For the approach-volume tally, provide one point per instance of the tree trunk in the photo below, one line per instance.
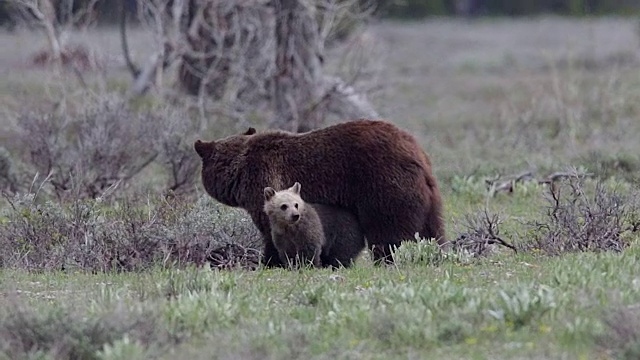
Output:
(230, 51)
(261, 56)
(298, 83)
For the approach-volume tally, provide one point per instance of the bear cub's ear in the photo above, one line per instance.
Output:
(203, 149)
(250, 131)
(296, 188)
(269, 192)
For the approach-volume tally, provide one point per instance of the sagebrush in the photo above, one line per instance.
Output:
(104, 144)
(125, 235)
(585, 216)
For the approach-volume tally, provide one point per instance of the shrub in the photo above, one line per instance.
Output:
(582, 219)
(125, 235)
(482, 234)
(104, 145)
(176, 154)
(94, 150)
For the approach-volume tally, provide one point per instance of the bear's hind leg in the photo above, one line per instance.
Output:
(385, 230)
(334, 262)
(433, 228)
(383, 253)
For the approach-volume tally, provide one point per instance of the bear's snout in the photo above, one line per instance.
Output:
(295, 217)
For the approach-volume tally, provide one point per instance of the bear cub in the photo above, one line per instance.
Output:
(306, 233)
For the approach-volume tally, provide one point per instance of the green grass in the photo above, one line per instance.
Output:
(510, 306)
(503, 306)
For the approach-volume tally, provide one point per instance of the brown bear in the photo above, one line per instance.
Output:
(323, 235)
(370, 168)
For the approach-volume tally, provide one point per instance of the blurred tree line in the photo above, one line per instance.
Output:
(107, 11)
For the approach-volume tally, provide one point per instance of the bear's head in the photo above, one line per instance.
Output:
(221, 161)
(283, 207)
(206, 150)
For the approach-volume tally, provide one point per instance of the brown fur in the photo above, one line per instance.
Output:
(333, 230)
(371, 168)
(343, 237)
(296, 228)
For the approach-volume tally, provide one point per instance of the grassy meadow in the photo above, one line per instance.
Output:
(119, 270)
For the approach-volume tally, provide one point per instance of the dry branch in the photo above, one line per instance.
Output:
(232, 255)
(144, 77)
(482, 230)
(562, 175)
(344, 100)
(133, 68)
(508, 183)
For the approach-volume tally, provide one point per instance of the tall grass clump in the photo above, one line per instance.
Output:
(427, 252)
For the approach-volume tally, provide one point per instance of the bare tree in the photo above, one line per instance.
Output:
(257, 56)
(42, 12)
(298, 82)
(56, 25)
(163, 18)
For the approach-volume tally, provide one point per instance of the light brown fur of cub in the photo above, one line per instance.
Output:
(295, 227)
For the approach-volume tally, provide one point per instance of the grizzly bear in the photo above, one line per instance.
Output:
(324, 235)
(370, 168)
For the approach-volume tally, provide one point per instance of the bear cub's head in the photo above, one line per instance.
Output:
(283, 207)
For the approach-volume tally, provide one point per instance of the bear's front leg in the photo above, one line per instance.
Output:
(310, 255)
(270, 255)
(317, 261)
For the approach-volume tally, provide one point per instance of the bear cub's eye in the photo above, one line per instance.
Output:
(283, 207)
(296, 205)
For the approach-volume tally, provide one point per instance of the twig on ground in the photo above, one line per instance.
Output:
(483, 231)
(495, 186)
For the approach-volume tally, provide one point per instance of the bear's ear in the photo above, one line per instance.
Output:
(203, 149)
(269, 192)
(250, 131)
(296, 188)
